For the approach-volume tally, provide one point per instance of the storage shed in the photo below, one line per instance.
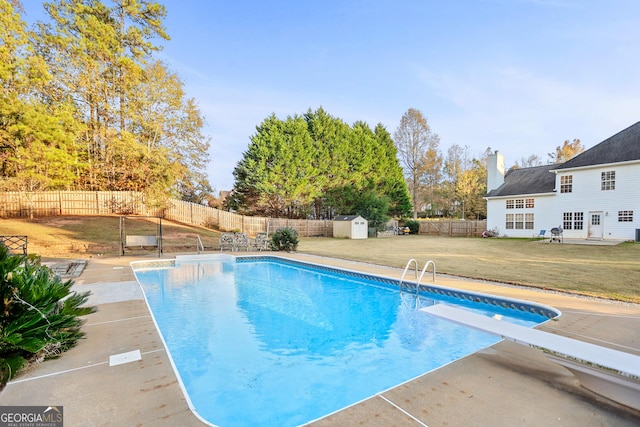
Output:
(350, 226)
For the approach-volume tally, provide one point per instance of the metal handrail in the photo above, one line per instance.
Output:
(406, 268)
(199, 245)
(418, 279)
(424, 270)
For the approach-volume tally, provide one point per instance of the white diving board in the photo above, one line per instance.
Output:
(611, 373)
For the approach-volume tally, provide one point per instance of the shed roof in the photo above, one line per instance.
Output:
(346, 217)
(535, 180)
(621, 147)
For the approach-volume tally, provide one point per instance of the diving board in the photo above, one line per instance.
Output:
(611, 373)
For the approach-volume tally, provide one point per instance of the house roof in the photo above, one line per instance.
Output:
(535, 180)
(621, 147)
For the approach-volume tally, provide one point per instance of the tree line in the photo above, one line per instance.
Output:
(316, 166)
(86, 106)
(453, 184)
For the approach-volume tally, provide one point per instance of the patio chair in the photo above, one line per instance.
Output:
(261, 242)
(226, 241)
(540, 235)
(240, 241)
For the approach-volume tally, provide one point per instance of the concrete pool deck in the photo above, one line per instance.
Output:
(503, 385)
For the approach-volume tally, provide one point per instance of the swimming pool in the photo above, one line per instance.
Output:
(270, 341)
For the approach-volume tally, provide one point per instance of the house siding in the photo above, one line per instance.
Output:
(544, 216)
(598, 210)
(586, 197)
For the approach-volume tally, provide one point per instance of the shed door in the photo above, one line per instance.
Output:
(595, 225)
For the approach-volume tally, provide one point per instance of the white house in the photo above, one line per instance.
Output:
(595, 195)
(350, 226)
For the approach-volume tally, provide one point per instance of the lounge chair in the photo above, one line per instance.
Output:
(261, 242)
(226, 241)
(240, 241)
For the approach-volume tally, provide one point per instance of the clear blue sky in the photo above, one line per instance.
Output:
(519, 76)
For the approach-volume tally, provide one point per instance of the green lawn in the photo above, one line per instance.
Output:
(604, 271)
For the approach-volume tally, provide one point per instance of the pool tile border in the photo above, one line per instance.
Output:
(424, 289)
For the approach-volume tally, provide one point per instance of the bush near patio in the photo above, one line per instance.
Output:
(284, 239)
(39, 314)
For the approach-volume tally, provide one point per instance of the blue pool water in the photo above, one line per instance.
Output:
(270, 343)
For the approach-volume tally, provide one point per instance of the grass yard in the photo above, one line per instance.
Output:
(69, 236)
(603, 271)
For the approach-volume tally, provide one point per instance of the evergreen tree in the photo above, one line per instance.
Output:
(317, 166)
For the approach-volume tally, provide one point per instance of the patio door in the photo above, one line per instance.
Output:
(595, 225)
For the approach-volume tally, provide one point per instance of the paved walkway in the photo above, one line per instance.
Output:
(503, 385)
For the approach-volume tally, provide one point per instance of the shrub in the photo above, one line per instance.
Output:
(284, 239)
(38, 313)
(413, 225)
(494, 232)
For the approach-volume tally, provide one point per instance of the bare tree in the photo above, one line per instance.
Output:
(416, 144)
(528, 162)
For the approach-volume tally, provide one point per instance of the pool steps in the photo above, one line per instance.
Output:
(610, 373)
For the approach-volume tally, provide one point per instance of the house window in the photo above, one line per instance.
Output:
(578, 220)
(509, 222)
(519, 221)
(608, 181)
(528, 203)
(510, 204)
(519, 203)
(567, 220)
(528, 221)
(566, 183)
(625, 216)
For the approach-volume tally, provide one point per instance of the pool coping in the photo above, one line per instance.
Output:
(424, 288)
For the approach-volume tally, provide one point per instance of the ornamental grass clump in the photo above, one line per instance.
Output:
(39, 314)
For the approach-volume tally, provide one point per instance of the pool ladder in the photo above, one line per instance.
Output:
(199, 245)
(408, 287)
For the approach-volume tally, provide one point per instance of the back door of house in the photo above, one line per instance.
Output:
(595, 225)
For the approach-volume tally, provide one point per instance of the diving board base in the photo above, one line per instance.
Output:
(610, 373)
(607, 384)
